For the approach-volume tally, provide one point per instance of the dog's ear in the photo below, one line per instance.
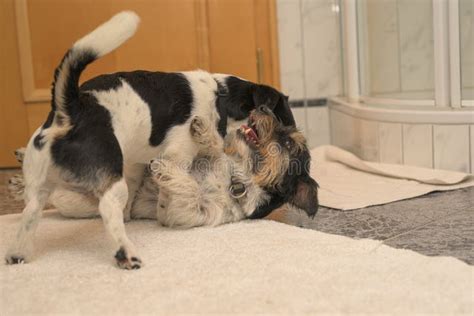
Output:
(275, 101)
(265, 95)
(305, 196)
(283, 111)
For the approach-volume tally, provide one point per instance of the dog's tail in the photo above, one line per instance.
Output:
(101, 41)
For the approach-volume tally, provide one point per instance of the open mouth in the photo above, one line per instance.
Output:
(250, 132)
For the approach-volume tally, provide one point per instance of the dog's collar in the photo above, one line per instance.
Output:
(221, 93)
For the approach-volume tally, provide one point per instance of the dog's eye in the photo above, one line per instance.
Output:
(288, 144)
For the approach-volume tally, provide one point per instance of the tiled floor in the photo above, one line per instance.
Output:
(438, 224)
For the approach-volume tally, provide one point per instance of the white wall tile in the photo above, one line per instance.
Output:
(318, 126)
(290, 48)
(317, 129)
(322, 53)
(390, 143)
(415, 24)
(300, 118)
(418, 145)
(360, 137)
(466, 25)
(342, 130)
(382, 52)
(451, 147)
(471, 151)
(367, 145)
(319, 74)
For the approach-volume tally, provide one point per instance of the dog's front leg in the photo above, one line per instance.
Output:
(206, 136)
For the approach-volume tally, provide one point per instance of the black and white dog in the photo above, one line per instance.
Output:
(98, 138)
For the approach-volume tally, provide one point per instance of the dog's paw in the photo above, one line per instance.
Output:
(15, 260)
(126, 260)
(19, 254)
(208, 139)
(16, 186)
(20, 154)
(198, 127)
(160, 168)
(16, 256)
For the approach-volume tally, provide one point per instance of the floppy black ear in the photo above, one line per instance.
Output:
(283, 111)
(275, 101)
(265, 95)
(305, 196)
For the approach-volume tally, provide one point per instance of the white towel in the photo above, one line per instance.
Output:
(347, 182)
(243, 268)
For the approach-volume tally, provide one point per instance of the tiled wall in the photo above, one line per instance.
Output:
(466, 25)
(310, 60)
(397, 47)
(449, 147)
(397, 37)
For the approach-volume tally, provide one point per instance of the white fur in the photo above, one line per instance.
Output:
(37, 190)
(131, 122)
(110, 208)
(178, 144)
(111, 34)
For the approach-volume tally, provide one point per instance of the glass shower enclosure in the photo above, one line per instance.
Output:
(408, 82)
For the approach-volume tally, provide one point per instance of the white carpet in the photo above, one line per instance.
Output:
(246, 268)
(348, 183)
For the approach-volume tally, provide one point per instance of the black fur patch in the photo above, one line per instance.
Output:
(222, 94)
(90, 148)
(38, 141)
(71, 91)
(275, 202)
(244, 96)
(121, 255)
(168, 95)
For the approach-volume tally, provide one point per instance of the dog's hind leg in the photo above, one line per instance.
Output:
(134, 177)
(37, 191)
(22, 248)
(111, 206)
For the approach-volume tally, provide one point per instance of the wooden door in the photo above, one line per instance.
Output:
(227, 36)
